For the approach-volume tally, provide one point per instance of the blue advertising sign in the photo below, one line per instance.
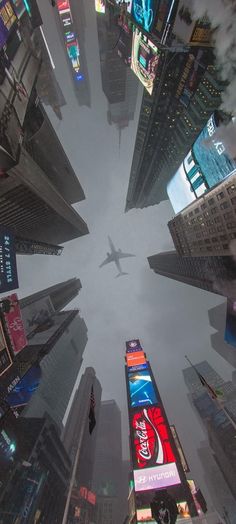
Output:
(8, 269)
(7, 19)
(143, 13)
(141, 389)
(23, 391)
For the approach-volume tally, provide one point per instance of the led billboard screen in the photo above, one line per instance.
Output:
(133, 345)
(23, 391)
(188, 30)
(151, 443)
(144, 59)
(183, 510)
(230, 326)
(141, 389)
(138, 368)
(8, 270)
(7, 19)
(100, 6)
(15, 326)
(135, 359)
(206, 164)
(156, 478)
(144, 515)
(143, 12)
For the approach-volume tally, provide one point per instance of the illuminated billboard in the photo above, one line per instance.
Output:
(7, 19)
(23, 391)
(14, 324)
(189, 31)
(8, 270)
(141, 389)
(183, 510)
(144, 59)
(206, 164)
(135, 359)
(100, 6)
(73, 53)
(133, 345)
(151, 443)
(144, 515)
(143, 12)
(156, 478)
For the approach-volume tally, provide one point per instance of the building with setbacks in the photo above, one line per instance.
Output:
(217, 319)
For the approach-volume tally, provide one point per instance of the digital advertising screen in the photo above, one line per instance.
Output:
(183, 510)
(7, 19)
(100, 6)
(63, 5)
(156, 477)
(73, 53)
(133, 345)
(206, 164)
(188, 30)
(8, 269)
(14, 323)
(135, 359)
(144, 59)
(230, 325)
(144, 515)
(23, 391)
(143, 12)
(138, 368)
(150, 438)
(141, 389)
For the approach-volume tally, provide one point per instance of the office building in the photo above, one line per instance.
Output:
(207, 227)
(170, 120)
(60, 294)
(37, 189)
(221, 433)
(217, 319)
(63, 343)
(206, 272)
(39, 475)
(107, 475)
(120, 113)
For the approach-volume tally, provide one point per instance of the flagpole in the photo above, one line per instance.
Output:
(73, 474)
(224, 409)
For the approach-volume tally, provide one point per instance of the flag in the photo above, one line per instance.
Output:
(92, 418)
(215, 394)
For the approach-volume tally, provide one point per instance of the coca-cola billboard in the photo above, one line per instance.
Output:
(151, 441)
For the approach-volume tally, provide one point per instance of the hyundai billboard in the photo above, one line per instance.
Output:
(144, 59)
(143, 12)
(156, 477)
(141, 389)
(206, 164)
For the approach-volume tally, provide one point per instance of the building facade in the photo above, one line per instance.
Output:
(211, 273)
(207, 227)
(60, 294)
(217, 317)
(107, 477)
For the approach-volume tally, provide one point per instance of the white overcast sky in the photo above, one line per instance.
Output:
(170, 318)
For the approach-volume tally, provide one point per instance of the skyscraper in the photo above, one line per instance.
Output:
(107, 476)
(60, 294)
(60, 367)
(205, 272)
(221, 432)
(217, 318)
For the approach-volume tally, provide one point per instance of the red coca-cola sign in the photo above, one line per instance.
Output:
(151, 440)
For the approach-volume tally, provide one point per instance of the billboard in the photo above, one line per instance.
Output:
(138, 368)
(37, 316)
(8, 271)
(133, 345)
(5, 357)
(206, 164)
(135, 359)
(192, 72)
(100, 6)
(141, 389)
(179, 448)
(7, 19)
(163, 19)
(19, 397)
(144, 515)
(151, 443)
(14, 324)
(143, 12)
(230, 326)
(183, 510)
(156, 478)
(190, 31)
(144, 59)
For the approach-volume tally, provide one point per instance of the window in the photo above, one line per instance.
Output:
(217, 220)
(224, 205)
(223, 237)
(196, 211)
(231, 189)
(231, 225)
(214, 210)
(220, 229)
(228, 215)
(211, 201)
(225, 246)
(206, 214)
(215, 239)
(204, 206)
(233, 200)
(220, 195)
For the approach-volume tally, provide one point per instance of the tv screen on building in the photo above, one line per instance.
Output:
(143, 12)
(144, 59)
(141, 389)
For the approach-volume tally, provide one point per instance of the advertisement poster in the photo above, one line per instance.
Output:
(135, 359)
(19, 397)
(151, 444)
(143, 12)
(7, 19)
(8, 270)
(188, 30)
(144, 59)
(133, 345)
(100, 6)
(15, 326)
(141, 389)
(37, 316)
(157, 477)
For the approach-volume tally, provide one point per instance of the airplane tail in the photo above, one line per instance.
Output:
(121, 274)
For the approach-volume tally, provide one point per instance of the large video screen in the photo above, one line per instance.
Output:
(151, 443)
(135, 359)
(23, 391)
(157, 477)
(141, 389)
(144, 59)
(100, 6)
(7, 19)
(206, 164)
(143, 13)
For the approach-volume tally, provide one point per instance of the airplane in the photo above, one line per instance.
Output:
(115, 256)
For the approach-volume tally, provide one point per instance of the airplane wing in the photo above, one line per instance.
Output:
(107, 260)
(120, 254)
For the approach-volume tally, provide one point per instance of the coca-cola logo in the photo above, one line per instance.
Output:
(151, 439)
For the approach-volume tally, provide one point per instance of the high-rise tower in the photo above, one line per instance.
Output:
(60, 294)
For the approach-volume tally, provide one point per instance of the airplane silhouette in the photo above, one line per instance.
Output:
(115, 256)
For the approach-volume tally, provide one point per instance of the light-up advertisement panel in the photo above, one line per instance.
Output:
(141, 389)
(151, 443)
(100, 6)
(73, 53)
(206, 164)
(135, 359)
(143, 12)
(133, 345)
(7, 19)
(144, 515)
(156, 478)
(183, 510)
(144, 59)
(187, 30)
